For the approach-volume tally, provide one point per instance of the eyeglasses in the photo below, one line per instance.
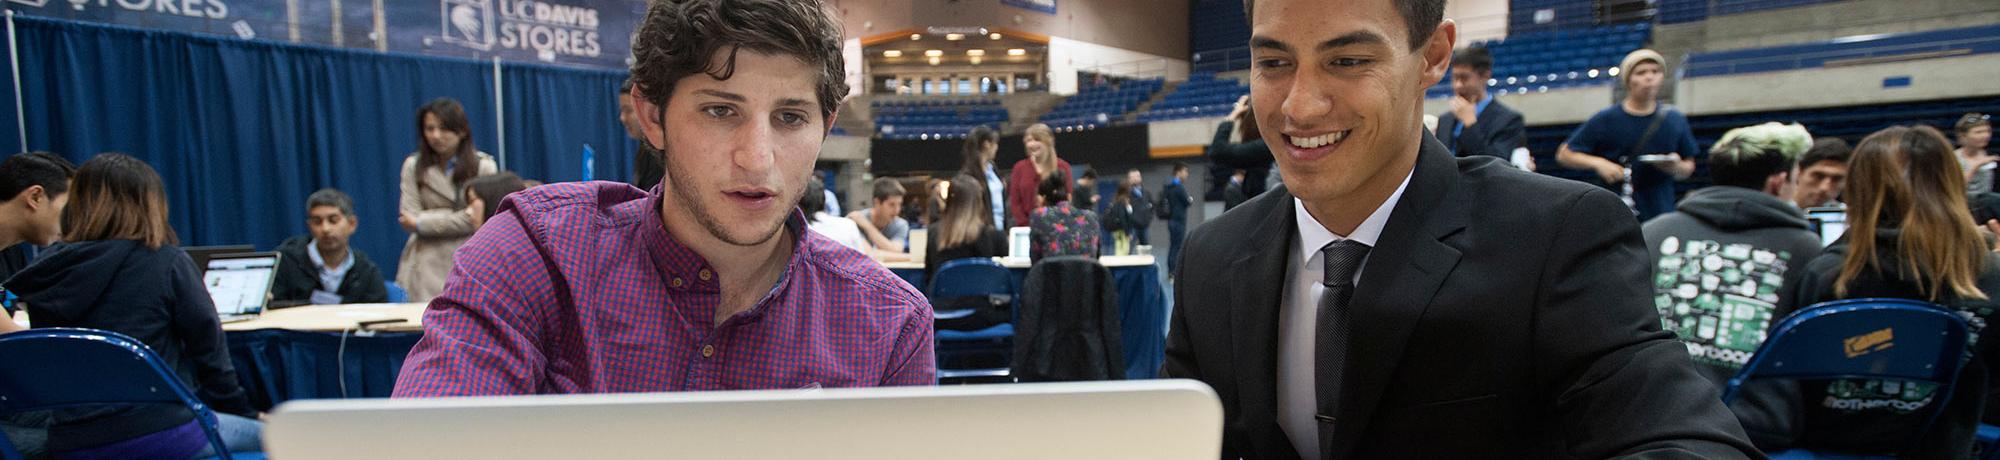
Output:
(1973, 119)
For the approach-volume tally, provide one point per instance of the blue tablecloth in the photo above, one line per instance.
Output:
(277, 365)
(1142, 306)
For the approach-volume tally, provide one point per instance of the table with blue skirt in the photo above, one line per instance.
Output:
(1142, 306)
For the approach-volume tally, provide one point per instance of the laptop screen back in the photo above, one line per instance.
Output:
(240, 283)
(1832, 223)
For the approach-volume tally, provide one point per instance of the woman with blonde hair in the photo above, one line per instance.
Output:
(1909, 236)
(1042, 162)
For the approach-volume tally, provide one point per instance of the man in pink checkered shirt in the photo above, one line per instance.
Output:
(710, 282)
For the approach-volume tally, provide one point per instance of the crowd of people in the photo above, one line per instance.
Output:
(1375, 289)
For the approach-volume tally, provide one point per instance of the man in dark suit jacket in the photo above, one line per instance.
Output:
(1477, 124)
(1174, 204)
(1458, 308)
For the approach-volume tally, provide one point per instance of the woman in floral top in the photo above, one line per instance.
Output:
(1058, 229)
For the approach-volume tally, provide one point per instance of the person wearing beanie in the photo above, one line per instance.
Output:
(1640, 134)
(1747, 222)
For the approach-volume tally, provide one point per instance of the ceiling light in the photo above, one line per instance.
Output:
(954, 37)
(995, 36)
(975, 60)
(1017, 52)
(975, 52)
(1612, 71)
(934, 60)
(934, 53)
(892, 53)
(916, 36)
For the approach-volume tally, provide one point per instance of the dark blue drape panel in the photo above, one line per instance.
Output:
(552, 112)
(242, 131)
(10, 128)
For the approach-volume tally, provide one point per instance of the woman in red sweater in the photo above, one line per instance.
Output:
(1028, 173)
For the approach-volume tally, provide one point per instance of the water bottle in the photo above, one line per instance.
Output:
(589, 162)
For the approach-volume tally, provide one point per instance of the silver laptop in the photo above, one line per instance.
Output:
(1830, 223)
(1150, 419)
(240, 284)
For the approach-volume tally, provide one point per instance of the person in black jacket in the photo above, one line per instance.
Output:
(1908, 236)
(1252, 157)
(321, 268)
(122, 272)
(964, 229)
(1477, 124)
(1174, 208)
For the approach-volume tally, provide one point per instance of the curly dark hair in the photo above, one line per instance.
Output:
(680, 38)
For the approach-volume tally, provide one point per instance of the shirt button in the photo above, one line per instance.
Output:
(678, 282)
(705, 274)
(708, 351)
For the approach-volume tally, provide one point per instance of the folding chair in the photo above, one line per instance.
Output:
(978, 278)
(1863, 339)
(57, 368)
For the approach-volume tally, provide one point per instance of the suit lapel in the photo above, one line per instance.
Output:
(1254, 313)
(1403, 273)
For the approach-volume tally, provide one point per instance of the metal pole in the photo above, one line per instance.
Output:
(14, 58)
(499, 113)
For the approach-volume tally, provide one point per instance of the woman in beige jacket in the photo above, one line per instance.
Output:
(433, 202)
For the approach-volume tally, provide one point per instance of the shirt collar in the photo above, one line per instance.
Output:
(1480, 108)
(1313, 236)
(319, 261)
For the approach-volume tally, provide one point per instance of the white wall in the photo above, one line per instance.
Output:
(1964, 76)
(1067, 56)
(1478, 19)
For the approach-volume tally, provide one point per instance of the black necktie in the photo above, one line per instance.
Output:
(1342, 260)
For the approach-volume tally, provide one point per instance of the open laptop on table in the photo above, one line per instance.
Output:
(1150, 419)
(201, 254)
(240, 284)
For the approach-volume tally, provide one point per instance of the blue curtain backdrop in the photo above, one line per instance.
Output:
(242, 131)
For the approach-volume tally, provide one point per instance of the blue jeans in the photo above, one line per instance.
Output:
(239, 433)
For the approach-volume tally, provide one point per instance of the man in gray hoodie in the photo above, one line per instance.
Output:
(1722, 258)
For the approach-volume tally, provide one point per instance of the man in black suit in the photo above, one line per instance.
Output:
(1477, 124)
(1393, 302)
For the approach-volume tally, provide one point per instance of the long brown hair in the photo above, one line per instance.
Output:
(117, 197)
(963, 218)
(1907, 177)
(1247, 129)
(452, 117)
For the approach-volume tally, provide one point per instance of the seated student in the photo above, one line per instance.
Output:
(1748, 220)
(1908, 236)
(320, 268)
(1058, 228)
(962, 230)
(842, 231)
(121, 271)
(35, 189)
(883, 223)
(485, 194)
(712, 284)
(1823, 173)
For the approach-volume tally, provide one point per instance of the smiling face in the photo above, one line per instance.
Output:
(739, 151)
(1338, 93)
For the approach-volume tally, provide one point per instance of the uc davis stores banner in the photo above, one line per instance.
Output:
(594, 33)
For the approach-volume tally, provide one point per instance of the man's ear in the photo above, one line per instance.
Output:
(831, 116)
(1437, 52)
(34, 197)
(652, 125)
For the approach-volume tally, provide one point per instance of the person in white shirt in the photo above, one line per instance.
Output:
(840, 230)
